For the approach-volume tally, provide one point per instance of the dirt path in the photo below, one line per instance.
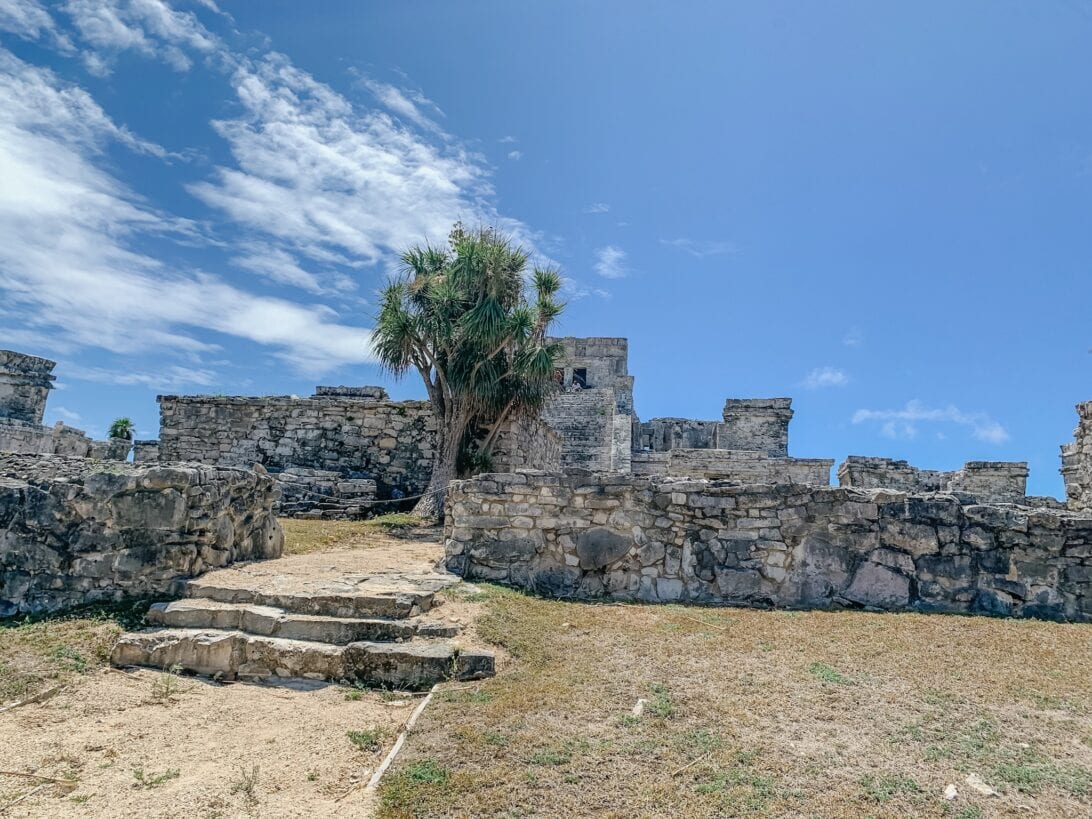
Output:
(147, 743)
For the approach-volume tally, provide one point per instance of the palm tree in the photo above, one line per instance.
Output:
(462, 318)
(121, 428)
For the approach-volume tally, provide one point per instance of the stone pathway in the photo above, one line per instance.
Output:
(357, 616)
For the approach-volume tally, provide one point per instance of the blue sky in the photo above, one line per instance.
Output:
(880, 209)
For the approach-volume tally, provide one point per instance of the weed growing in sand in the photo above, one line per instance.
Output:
(166, 687)
(150, 780)
(246, 784)
(367, 740)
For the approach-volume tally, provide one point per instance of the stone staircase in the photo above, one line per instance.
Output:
(296, 618)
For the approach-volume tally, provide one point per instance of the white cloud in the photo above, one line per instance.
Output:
(29, 20)
(399, 102)
(597, 207)
(903, 423)
(504, 140)
(853, 337)
(165, 380)
(825, 377)
(515, 155)
(699, 249)
(330, 182)
(70, 263)
(610, 262)
(150, 27)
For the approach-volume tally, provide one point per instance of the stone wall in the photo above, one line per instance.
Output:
(322, 494)
(757, 424)
(145, 451)
(668, 540)
(1077, 461)
(25, 382)
(391, 442)
(747, 467)
(527, 443)
(664, 434)
(26, 438)
(74, 531)
(987, 480)
(732, 465)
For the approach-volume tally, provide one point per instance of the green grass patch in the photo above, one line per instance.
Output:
(366, 740)
(886, 788)
(829, 674)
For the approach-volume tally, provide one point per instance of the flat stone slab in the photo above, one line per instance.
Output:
(233, 655)
(352, 584)
(269, 621)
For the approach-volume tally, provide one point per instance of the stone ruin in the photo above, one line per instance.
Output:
(79, 524)
(25, 382)
(587, 500)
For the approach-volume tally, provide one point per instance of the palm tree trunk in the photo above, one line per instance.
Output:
(444, 470)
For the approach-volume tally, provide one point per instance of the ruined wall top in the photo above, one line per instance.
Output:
(25, 382)
(757, 425)
(377, 393)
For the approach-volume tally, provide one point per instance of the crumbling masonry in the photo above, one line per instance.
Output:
(587, 500)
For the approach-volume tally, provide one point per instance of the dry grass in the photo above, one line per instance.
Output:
(43, 652)
(755, 713)
(306, 536)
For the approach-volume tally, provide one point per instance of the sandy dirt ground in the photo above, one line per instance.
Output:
(201, 750)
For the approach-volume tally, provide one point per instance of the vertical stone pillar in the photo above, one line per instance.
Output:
(757, 425)
(1077, 462)
(25, 382)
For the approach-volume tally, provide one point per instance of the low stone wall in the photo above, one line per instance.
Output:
(74, 531)
(1077, 461)
(747, 467)
(390, 441)
(669, 540)
(732, 465)
(664, 434)
(33, 439)
(321, 494)
(988, 480)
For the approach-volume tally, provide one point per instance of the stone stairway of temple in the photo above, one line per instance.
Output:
(327, 617)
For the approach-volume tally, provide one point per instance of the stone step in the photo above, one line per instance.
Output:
(363, 600)
(231, 655)
(269, 621)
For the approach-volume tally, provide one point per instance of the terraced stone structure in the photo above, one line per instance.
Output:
(75, 531)
(320, 617)
(721, 542)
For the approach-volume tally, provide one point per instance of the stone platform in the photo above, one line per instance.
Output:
(339, 616)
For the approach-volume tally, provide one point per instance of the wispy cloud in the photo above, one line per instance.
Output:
(610, 262)
(699, 249)
(597, 207)
(822, 377)
(167, 379)
(903, 423)
(151, 28)
(504, 140)
(71, 262)
(853, 337)
(515, 155)
(29, 20)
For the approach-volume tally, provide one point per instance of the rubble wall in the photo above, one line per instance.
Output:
(73, 531)
(390, 442)
(670, 540)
